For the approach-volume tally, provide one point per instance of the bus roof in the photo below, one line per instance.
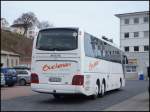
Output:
(73, 28)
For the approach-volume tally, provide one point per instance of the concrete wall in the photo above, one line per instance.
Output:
(142, 64)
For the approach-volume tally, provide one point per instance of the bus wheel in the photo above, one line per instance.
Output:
(94, 96)
(99, 91)
(120, 83)
(102, 90)
(22, 82)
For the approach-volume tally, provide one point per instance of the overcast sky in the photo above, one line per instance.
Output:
(95, 17)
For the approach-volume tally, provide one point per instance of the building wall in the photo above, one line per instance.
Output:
(140, 57)
(32, 32)
(9, 60)
(18, 30)
(131, 28)
(141, 64)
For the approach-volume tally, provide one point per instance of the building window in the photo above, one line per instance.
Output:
(126, 49)
(7, 62)
(146, 33)
(126, 35)
(136, 48)
(113, 52)
(130, 68)
(31, 37)
(133, 68)
(145, 19)
(136, 20)
(12, 62)
(16, 61)
(146, 48)
(136, 34)
(117, 52)
(30, 32)
(126, 21)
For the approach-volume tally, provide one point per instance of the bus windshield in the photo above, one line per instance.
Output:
(57, 40)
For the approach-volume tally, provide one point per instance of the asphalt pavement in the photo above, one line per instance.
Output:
(139, 102)
(32, 101)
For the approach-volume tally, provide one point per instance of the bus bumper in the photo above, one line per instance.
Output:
(58, 89)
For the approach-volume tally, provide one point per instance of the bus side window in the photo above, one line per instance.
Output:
(100, 49)
(105, 56)
(88, 46)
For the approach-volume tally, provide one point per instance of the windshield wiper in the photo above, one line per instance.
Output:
(43, 48)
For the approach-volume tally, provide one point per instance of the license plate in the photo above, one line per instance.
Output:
(54, 79)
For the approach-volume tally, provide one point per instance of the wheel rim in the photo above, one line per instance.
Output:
(97, 90)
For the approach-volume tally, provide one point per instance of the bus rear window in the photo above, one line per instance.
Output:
(57, 40)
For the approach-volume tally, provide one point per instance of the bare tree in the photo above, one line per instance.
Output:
(44, 24)
(27, 20)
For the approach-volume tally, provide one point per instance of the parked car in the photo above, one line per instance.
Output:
(2, 79)
(23, 76)
(10, 75)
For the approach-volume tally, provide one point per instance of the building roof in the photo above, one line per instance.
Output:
(132, 13)
(9, 53)
(17, 25)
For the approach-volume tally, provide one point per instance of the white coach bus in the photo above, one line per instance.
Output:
(71, 61)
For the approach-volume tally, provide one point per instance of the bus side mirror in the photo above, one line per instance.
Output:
(125, 60)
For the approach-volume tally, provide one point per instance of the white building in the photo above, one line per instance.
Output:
(134, 40)
(17, 28)
(9, 59)
(31, 33)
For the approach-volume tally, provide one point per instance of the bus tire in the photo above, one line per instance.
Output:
(96, 94)
(99, 91)
(22, 82)
(120, 83)
(103, 89)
